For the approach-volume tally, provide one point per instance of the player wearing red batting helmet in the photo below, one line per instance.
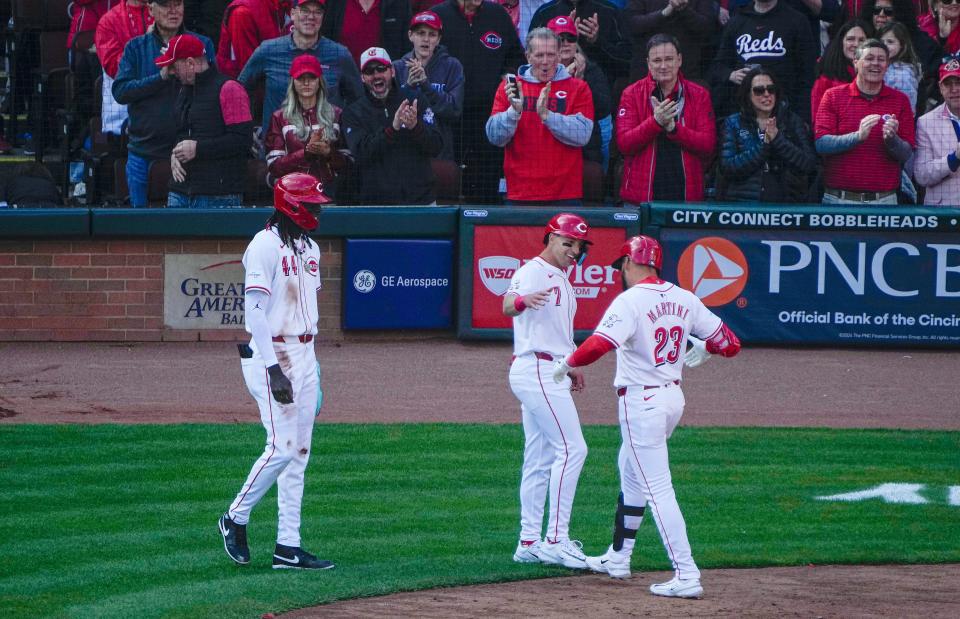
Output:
(542, 303)
(281, 283)
(649, 325)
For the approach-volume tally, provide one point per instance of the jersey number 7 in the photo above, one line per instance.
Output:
(665, 339)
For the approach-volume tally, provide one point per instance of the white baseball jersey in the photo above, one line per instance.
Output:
(291, 278)
(649, 325)
(550, 328)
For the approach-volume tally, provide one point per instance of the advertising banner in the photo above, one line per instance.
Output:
(398, 284)
(499, 251)
(202, 291)
(869, 287)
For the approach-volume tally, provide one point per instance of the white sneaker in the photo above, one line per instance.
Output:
(527, 554)
(678, 588)
(567, 553)
(616, 564)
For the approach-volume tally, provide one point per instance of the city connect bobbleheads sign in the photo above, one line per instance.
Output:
(203, 291)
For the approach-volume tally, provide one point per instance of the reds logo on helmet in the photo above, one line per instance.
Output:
(492, 40)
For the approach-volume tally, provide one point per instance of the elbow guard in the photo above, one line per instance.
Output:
(724, 343)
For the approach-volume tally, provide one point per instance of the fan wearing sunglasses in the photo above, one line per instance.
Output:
(879, 13)
(765, 149)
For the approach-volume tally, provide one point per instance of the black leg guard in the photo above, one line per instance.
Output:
(620, 530)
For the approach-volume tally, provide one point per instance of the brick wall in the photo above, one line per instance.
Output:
(84, 290)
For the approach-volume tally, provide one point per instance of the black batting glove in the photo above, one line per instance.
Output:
(280, 385)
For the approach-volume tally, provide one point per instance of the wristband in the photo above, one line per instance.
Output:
(518, 304)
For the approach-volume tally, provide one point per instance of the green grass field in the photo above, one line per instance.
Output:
(120, 521)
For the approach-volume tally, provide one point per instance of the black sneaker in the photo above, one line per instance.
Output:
(234, 540)
(292, 558)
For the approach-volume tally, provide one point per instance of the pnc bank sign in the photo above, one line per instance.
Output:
(717, 270)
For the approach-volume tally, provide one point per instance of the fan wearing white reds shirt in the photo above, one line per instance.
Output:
(649, 324)
(541, 301)
(280, 367)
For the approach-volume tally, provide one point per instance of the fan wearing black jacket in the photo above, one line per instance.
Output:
(392, 137)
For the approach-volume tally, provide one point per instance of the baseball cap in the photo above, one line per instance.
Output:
(180, 47)
(562, 24)
(305, 63)
(950, 68)
(426, 18)
(375, 54)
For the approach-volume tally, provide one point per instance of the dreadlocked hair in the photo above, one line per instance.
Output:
(290, 232)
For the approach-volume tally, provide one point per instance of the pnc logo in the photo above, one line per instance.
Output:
(714, 269)
(496, 272)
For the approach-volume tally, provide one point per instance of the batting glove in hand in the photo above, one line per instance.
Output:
(560, 370)
(697, 354)
(280, 385)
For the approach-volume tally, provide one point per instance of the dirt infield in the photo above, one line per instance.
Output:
(440, 380)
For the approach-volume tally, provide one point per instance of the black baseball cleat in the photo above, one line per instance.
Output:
(293, 558)
(234, 540)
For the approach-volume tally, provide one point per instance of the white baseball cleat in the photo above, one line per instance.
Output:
(567, 553)
(678, 588)
(616, 564)
(527, 554)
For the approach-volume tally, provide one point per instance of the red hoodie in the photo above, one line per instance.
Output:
(637, 133)
(247, 24)
(121, 23)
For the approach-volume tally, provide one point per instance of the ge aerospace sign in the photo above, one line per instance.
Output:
(823, 287)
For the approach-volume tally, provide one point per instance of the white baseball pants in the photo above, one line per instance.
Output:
(647, 419)
(289, 434)
(554, 449)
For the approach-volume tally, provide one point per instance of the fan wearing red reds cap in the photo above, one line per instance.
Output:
(649, 325)
(392, 136)
(245, 25)
(542, 303)
(429, 72)
(304, 134)
(280, 368)
(542, 118)
(938, 142)
(150, 94)
(214, 129)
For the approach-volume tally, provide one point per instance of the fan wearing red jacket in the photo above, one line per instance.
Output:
(246, 24)
(543, 118)
(665, 130)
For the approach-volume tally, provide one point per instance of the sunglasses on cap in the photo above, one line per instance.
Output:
(770, 89)
(375, 69)
(886, 10)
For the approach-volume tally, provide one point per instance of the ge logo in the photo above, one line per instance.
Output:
(364, 281)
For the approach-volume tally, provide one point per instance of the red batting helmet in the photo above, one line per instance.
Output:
(568, 225)
(642, 250)
(293, 192)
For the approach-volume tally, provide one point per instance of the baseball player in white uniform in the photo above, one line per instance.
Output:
(541, 301)
(649, 324)
(280, 366)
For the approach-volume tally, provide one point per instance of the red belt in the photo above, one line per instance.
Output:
(303, 338)
(539, 355)
(622, 391)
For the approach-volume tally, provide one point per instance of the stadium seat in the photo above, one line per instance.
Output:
(50, 15)
(158, 182)
(446, 181)
(592, 182)
(257, 192)
(52, 88)
(120, 189)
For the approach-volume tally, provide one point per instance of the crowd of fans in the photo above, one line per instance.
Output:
(680, 100)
